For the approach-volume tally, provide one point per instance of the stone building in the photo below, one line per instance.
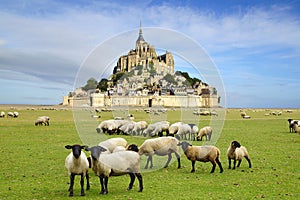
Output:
(144, 55)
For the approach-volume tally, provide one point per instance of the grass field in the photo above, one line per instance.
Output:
(32, 165)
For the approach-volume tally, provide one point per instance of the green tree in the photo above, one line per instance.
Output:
(170, 79)
(91, 84)
(102, 85)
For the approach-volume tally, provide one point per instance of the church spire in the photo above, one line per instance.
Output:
(140, 38)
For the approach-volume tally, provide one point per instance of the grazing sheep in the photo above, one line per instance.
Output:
(173, 129)
(115, 164)
(183, 131)
(243, 114)
(160, 146)
(158, 128)
(112, 143)
(77, 164)
(2, 114)
(205, 131)
(15, 114)
(291, 125)
(42, 120)
(10, 114)
(202, 154)
(247, 117)
(139, 127)
(110, 126)
(237, 152)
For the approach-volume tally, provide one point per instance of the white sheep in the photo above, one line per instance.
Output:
(202, 154)
(119, 148)
(115, 164)
(112, 143)
(160, 146)
(42, 120)
(2, 114)
(183, 131)
(247, 117)
(205, 131)
(237, 152)
(110, 126)
(15, 114)
(157, 128)
(77, 164)
(139, 127)
(10, 114)
(173, 129)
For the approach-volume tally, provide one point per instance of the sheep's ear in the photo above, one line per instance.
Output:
(68, 147)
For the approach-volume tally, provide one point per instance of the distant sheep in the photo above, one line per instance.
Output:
(77, 164)
(115, 164)
(42, 120)
(2, 114)
(205, 131)
(296, 127)
(160, 146)
(243, 114)
(291, 124)
(157, 128)
(237, 152)
(247, 117)
(10, 114)
(202, 154)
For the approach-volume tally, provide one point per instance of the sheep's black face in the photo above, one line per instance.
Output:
(98, 130)
(95, 151)
(184, 145)
(76, 149)
(133, 147)
(235, 144)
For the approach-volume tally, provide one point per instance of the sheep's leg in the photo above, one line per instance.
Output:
(132, 178)
(82, 184)
(140, 178)
(87, 181)
(234, 163)
(239, 163)
(101, 178)
(72, 177)
(105, 184)
(178, 159)
(149, 159)
(193, 166)
(229, 162)
(169, 159)
(213, 167)
(219, 164)
(249, 162)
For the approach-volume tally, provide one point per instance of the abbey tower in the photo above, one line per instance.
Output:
(144, 55)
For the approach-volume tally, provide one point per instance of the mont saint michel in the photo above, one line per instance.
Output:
(144, 78)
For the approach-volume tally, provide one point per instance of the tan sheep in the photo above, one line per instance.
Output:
(202, 154)
(237, 152)
(205, 131)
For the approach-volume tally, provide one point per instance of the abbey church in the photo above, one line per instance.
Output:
(144, 55)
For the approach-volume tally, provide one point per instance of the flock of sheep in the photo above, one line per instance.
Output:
(115, 157)
(9, 114)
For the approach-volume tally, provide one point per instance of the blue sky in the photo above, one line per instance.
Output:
(255, 45)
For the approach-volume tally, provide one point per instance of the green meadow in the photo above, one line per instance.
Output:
(32, 164)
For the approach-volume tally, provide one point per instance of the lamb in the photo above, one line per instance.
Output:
(205, 131)
(291, 124)
(160, 146)
(202, 154)
(112, 143)
(115, 164)
(237, 152)
(42, 120)
(77, 164)
(2, 114)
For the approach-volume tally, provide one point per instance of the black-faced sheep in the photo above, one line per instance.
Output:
(2, 114)
(42, 120)
(115, 164)
(202, 154)
(237, 152)
(296, 127)
(205, 131)
(160, 146)
(77, 164)
(291, 124)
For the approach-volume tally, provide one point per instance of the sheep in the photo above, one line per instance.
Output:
(157, 127)
(173, 129)
(77, 164)
(15, 114)
(160, 146)
(115, 164)
(110, 126)
(2, 114)
(10, 114)
(291, 124)
(119, 148)
(246, 117)
(183, 130)
(112, 143)
(139, 127)
(205, 131)
(237, 152)
(243, 114)
(296, 127)
(202, 154)
(42, 120)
